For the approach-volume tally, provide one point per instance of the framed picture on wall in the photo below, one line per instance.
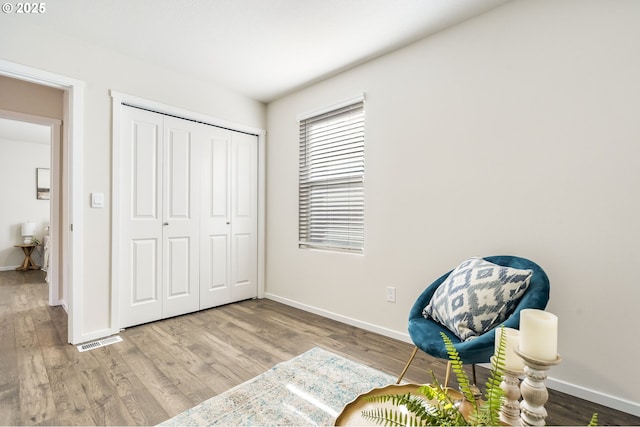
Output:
(43, 183)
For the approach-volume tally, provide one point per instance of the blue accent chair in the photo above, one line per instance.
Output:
(425, 333)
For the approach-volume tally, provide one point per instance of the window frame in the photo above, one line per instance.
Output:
(331, 177)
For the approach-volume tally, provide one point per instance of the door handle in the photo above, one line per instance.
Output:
(165, 223)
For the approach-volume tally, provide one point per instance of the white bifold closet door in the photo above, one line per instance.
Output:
(188, 215)
(228, 249)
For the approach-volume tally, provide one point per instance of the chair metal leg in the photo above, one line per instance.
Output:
(473, 373)
(404, 371)
(447, 375)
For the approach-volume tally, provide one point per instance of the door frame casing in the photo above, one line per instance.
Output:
(117, 99)
(71, 181)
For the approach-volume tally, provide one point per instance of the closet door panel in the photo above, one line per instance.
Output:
(244, 216)
(243, 179)
(215, 286)
(177, 260)
(141, 223)
(144, 170)
(178, 152)
(181, 225)
(242, 260)
(219, 265)
(220, 176)
(218, 277)
(144, 256)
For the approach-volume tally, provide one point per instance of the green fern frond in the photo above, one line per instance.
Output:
(489, 413)
(417, 407)
(456, 367)
(441, 405)
(420, 412)
(396, 399)
(594, 420)
(383, 416)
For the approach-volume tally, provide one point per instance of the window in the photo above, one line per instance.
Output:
(331, 191)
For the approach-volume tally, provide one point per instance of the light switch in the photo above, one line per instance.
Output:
(97, 200)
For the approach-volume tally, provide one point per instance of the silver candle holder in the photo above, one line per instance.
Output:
(533, 389)
(510, 385)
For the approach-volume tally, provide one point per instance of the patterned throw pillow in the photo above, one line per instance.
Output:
(476, 297)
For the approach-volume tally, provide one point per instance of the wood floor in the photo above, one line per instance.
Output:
(164, 368)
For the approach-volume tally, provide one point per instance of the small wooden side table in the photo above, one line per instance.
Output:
(28, 263)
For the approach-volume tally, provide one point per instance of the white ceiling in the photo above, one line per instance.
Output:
(260, 48)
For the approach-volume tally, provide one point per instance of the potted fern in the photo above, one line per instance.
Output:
(434, 405)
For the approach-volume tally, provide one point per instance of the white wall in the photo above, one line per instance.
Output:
(18, 163)
(103, 70)
(516, 132)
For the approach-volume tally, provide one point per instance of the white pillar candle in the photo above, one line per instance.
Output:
(539, 334)
(512, 361)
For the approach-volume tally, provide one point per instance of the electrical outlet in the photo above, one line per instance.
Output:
(391, 294)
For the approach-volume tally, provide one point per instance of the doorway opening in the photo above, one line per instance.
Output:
(66, 230)
(30, 146)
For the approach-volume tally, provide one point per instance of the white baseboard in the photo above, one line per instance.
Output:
(96, 335)
(62, 303)
(9, 268)
(613, 402)
(600, 398)
(343, 319)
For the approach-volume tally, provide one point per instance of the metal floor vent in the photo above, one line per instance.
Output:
(99, 343)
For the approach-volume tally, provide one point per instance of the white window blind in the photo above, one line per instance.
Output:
(331, 191)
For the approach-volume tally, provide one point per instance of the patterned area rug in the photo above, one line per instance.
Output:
(310, 389)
